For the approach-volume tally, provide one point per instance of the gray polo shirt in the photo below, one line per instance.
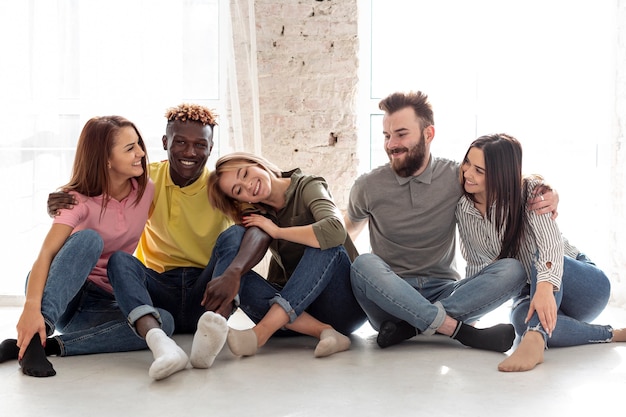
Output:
(411, 220)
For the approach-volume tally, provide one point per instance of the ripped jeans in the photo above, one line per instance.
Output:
(584, 293)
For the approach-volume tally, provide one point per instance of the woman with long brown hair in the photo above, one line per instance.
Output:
(67, 288)
(565, 291)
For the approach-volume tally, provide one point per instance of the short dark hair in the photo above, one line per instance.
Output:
(418, 101)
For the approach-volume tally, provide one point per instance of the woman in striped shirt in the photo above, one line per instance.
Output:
(565, 290)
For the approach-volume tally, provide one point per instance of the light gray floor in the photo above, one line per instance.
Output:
(423, 376)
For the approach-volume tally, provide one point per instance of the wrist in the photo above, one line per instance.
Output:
(32, 305)
(545, 286)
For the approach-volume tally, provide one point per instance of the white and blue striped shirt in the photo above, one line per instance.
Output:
(543, 246)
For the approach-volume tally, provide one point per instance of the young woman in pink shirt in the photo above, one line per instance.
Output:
(67, 289)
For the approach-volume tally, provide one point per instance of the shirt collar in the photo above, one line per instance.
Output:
(193, 188)
(425, 177)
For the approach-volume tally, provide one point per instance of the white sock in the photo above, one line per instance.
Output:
(169, 358)
(331, 341)
(208, 340)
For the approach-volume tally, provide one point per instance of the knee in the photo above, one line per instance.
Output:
(604, 283)
(362, 261)
(89, 240)
(360, 270)
(355, 268)
(603, 287)
(514, 269)
(232, 235)
(118, 262)
(229, 239)
(118, 258)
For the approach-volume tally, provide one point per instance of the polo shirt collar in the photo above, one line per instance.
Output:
(195, 187)
(425, 177)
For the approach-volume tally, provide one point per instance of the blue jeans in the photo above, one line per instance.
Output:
(140, 290)
(584, 293)
(424, 302)
(320, 285)
(86, 316)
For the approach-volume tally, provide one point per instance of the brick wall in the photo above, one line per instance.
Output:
(306, 83)
(300, 65)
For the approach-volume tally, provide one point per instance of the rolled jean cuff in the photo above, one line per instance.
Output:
(538, 328)
(50, 327)
(438, 321)
(285, 306)
(139, 312)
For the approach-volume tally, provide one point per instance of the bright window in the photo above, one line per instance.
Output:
(66, 61)
(540, 70)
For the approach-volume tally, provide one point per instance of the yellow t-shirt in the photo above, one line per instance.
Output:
(182, 226)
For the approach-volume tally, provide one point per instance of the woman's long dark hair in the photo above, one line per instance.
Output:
(504, 187)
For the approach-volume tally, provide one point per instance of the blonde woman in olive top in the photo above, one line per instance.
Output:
(307, 289)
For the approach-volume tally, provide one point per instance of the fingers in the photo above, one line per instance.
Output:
(43, 337)
(210, 302)
(22, 343)
(548, 321)
(531, 311)
(205, 298)
(555, 214)
(545, 324)
(224, 310)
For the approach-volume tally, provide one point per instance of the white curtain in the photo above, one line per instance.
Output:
(243, 78)
(66, 61)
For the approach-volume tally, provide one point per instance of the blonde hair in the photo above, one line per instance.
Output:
(232, 162)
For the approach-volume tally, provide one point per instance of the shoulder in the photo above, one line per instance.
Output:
(382, 172)
(150, 185)
(80, 211)
(82, 199)
(306, 186)
(444, 164)
(148, 193)
(157, 169)
(530, 182)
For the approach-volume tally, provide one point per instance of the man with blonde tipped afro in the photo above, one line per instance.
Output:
(171, 268)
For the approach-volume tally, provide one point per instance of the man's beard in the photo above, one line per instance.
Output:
(413, 161)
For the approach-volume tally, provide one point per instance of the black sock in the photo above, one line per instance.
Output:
(9, 350)
(34, 362)
(52, 347)
(498, 338)
(391, 333)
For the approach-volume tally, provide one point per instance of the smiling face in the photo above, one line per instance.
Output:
(188, 145)
(474, 174)
(126, 155)
(250, 184)
(406, 143)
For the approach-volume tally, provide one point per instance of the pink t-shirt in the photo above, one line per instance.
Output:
(120, 225)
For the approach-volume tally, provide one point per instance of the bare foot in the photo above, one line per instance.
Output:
(528, 354)
(619, 335)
